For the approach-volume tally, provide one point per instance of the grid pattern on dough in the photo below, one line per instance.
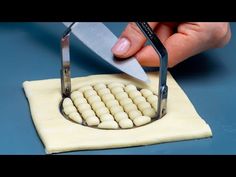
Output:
(111, 106)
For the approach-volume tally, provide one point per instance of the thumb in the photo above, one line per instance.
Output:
(130, 41)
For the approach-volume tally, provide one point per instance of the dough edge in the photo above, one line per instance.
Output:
(52, 126)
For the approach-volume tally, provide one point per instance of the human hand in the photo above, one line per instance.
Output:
(181, 40)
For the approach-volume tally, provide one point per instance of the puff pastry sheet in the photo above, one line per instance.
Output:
(58, 134)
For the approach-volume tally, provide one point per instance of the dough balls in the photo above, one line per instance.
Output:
(134, 114)
(87, 87)
(126, 123)
(101, 111)
(79, 101)
(130, 88)
(130, 107)
(108, 125)
(75, 116)
(111, 106)
(146, 92)
(120, 115)
(76, 94)
(67, 102)
(112, 103)
(115, 84)
(150, 112)
(99, 86)
(106, 117)
(126, 101)
(88, 93)
(141, 120)
(92, 121)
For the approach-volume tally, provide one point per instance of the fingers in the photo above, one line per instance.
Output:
(147, 56)
(130, 41)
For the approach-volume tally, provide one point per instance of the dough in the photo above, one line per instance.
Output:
(116, 109)
(134, 94)
(143, 105)
(108, 125)
(134, 113)
(125, 101)
(126, 123)
(94, 99)
(97, 105)
(130, 88)
(116, 90)
(82, 107)
(59, 134)
(142, 120)
(130, 107)
(121, 96)
(146, 92)
(99, 86)
(86, 87)
(139, 99)
(120, 115)
(104, 91)
(92, 121)
(115, 84)
(75, 117)
(102, 111)
(106, 117)
(150, 112)
(107, 97)
(79, 101)
(112, 103)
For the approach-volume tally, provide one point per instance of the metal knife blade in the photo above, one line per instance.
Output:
(97, 37)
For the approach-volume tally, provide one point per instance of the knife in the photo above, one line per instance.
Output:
(97, 37)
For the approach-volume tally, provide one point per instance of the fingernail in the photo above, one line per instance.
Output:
(121, 46)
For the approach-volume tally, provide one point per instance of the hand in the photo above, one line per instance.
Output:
(181, 40)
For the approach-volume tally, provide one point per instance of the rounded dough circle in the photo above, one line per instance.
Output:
(130, 107)
(106, 117)
(125, 101)
(83, 106)
(115, 84)
(104, 91)
(139, 100)
(86, 87)
(143, 105)
(92, 121)
(150, 112)
(108, 97)
(88, 93)
(87, 113)
(69, 109)
(141, 120)
(98, 105)
(126, 123)
(116, 109)
(108, 125)
(130, 88)
(112, 103)
(93, 99)
(121, 96)
(154, 105)
(116, 90)
(79, 101)
(146, 92)
(75, 116)
(76, 94)
(101, 111)
(134, 94)
(67, 102)
(120, 115)
(134, 114)
(99, 86)
(152, 98)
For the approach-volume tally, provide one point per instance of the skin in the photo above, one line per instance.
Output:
(182, 40)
